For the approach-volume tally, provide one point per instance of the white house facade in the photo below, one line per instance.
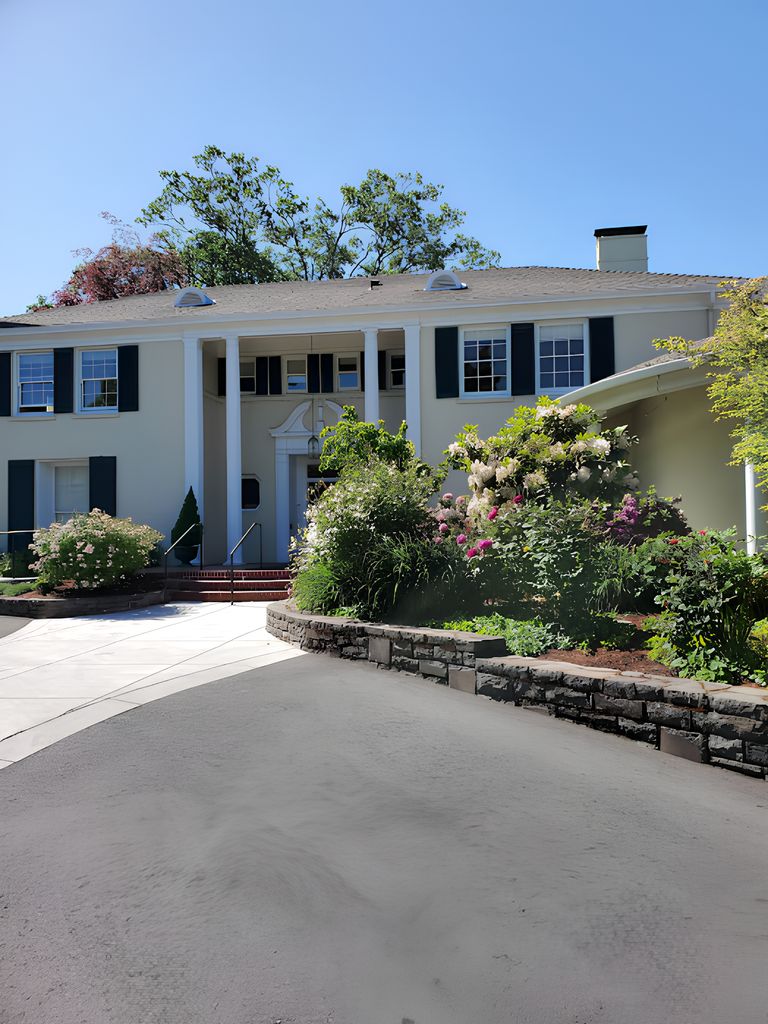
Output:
(124, 405)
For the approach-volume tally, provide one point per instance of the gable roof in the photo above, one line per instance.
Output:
(512, 284)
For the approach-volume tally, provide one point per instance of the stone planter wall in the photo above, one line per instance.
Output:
(65, 607)
(721, 725)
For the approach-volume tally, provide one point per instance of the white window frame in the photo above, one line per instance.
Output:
(337, 381)
(103, 410)
(390, 385)
(250, 361)
(295, 391)
(68, 464)
(17, 409)
(480, 396)
(555, 392)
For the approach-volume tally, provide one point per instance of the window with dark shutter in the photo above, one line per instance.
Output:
(446, 362)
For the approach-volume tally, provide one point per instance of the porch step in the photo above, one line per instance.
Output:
(225, 595)
(204, 585)
(224, 574)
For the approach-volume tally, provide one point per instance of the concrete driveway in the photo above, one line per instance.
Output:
(61, 675)
(316, 842)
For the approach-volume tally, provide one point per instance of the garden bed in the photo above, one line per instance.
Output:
(713, 723)
(34, 605)
(622, 661)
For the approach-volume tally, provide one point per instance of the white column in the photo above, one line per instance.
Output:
(371, 414)
(193, 418)
(234, 453)
(750, 503)
(282, 502)
(413, 383)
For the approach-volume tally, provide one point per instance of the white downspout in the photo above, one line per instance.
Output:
(750, 504)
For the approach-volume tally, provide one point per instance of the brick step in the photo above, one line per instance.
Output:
(223, 574)
(224, 595)
(192, 586)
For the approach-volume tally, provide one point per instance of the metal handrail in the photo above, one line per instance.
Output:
(232, 559)
(194, 526)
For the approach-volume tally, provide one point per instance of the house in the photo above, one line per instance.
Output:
(123, 405)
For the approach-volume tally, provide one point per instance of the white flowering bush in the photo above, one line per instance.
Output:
(91, 550)
(545, 450)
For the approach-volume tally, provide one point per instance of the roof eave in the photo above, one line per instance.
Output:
(636, 384)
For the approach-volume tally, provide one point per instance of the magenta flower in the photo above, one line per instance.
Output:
(438, 540)
(461, 539)
(443, 527)
(492, 514)
(447, 496)
(472, 552)
(518, 499)
(485, 544)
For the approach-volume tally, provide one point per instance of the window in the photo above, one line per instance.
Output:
(396, 362)
(35, 382)
(247, 376)
(296, 373)
(98, 380)
(250, 490)
(70, 491)
(348, 372)
(562, 357)
(484, 361)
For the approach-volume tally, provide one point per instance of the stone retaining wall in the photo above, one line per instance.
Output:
(65, 607)
(708, 722)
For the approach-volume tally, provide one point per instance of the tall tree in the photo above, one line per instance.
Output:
(128, 265)
(236, 221)
(737, 358)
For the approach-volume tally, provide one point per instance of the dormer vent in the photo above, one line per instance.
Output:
(188, 297)
(444, 281)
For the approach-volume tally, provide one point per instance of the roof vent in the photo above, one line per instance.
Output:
(443, 281)
(375, 283)
(192, 297)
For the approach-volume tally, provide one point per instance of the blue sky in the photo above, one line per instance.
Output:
(543, 120)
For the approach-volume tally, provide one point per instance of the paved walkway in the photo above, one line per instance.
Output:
(58, 676)
(324, 843)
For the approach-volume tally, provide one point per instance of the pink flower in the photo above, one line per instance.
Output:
(461, 539)
(673, 540)
(518, 499)
(443, 527)
(447, 496)
(492, 514)
(472, 552)
(703, 533)
(89, 549)
(438, 540)
(485, 544)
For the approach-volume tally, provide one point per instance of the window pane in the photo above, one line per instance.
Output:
(486, 384)
(470, 384)
(251, 492)
(297, 382)
(577, 363)
(247, 384)
(561, 346)
(577, 378)
(296, 365)
(499, 349)
(348, 381)
(577, 346)
(547, 380)
(100, 363)
(562, 380)
(347, 363)
(70, 491)
(546, 348)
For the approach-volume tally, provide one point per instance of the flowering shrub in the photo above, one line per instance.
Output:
(91, 550)
(712, 595)
(543, 450)
(639, 517)
(369, 545)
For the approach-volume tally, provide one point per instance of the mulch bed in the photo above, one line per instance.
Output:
(623, 661)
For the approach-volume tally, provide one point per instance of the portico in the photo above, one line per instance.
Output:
(254, 401)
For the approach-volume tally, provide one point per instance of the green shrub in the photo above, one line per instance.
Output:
(12, 589)
(91, 550)
(712, 595)
(524, 638)
(317, 589)
(189, 516)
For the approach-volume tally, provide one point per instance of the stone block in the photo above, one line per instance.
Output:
(562, 695)
(619, 706)
(433, 668)
(380, 650)
(584, 684)
(632, 688)
(493, 686)
(603, 723)
(719, 746)
(686, 693)
(746, 706)
(405, 664)
(689, 745)
(423, 650)
(738, 766)
(543, 673)
(402, 649)
(464, 679)
(730, 726)
(489, 647)
(668, 714)
(643, 732)
(757, 753)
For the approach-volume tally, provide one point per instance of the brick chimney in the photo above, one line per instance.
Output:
(622, 248)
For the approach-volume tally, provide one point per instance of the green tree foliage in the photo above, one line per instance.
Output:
(349, 442)
(188, 516)
(237, 221)
(737, 358)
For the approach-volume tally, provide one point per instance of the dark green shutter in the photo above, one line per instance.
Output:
(221, 374)
(102, 483)
(447, 362)
(602, 358)
(128, 378)
(523, 360)
(63, 379)
(21, 503)
(326, 373)
(275, 375)
(313, 373)
(262, 375)
(382, 371)
(5, 384)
